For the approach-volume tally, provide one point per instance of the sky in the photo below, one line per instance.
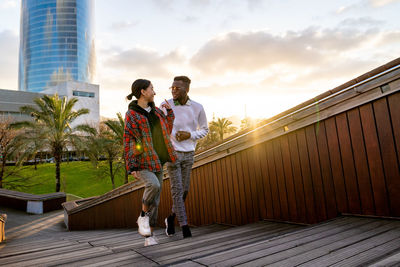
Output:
(245, 57)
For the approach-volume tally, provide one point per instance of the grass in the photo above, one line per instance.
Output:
(78, 178)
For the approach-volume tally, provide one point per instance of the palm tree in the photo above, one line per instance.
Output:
(54, 115)
(222, 126)
(118, 128)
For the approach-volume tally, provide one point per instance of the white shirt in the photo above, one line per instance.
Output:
(191, 118)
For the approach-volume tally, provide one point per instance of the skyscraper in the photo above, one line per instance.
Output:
(56, 43)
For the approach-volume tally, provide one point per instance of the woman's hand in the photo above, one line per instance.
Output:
(166, 105)
(135, 174)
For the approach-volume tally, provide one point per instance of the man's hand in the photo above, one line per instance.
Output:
(166, 105)
(182, 135)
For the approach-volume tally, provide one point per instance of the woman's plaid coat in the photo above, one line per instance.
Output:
(138, 144)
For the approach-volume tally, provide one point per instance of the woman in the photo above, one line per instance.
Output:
(147, 147)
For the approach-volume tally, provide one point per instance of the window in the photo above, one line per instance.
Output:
(84, 94)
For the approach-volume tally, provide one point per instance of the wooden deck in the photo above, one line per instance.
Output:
(42, 240)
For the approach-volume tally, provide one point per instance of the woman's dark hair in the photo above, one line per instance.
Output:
(137, 87)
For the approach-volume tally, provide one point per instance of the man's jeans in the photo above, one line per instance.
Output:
(152, 191)
(179, 175)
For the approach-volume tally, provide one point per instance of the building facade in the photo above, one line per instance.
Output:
(87, 94)
(56, 43)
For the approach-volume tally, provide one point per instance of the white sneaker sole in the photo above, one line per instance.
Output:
(166, 227)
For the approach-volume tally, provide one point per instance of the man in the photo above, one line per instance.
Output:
(190, 124)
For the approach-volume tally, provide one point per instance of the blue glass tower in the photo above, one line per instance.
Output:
(56, 43)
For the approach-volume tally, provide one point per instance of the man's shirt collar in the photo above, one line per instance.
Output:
(188, 103)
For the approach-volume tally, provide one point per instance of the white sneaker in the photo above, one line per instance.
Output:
(150, 241)
(144, 226)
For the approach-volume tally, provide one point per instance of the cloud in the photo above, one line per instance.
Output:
(9, 60)
(190, 19)
(381, 3)
(390, 38)
(362, 4)
(144, 61)
(280, 71)
(8, 4)
(252, 51)
(366, 22)
(121, 25)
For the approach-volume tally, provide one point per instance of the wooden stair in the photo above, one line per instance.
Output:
(345, 241)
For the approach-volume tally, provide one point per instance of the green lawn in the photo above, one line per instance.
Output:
(78, 178)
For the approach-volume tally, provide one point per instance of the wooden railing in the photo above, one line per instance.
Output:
(338, 153)
(3, 218)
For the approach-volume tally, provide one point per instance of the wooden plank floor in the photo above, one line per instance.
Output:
(42, 240)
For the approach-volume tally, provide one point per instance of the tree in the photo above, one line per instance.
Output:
(222, 126)
(104, 143)
(12, 175)
(33, 143)
(9, 145)
(211, 138)
(54, 116)
(118, 128)
(246, 123)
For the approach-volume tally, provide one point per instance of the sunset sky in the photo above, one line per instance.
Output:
(262, 56)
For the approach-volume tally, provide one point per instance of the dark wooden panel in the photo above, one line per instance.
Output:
(226, 192)
(247, 185)
(167, 199)
(205, 199)
(280, 175)
(374, 160)
(200, 196)
(253, 179)
(394, 107)
(307, 179)
(349, 171)
(298, 179)
(273, 182)
(210, 193)
(132, 206)
(231, 193)
(259, 183)
(266, 209)
(196, 200)
(242, 192)
(236, 191)
(336, 165)
(326, 171)
(317, 184)
(360, 162)
(388, 152)
(216, 193)
(287, 167)
(221, 191)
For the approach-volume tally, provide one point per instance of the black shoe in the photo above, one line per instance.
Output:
(186, 231)
(170, 225)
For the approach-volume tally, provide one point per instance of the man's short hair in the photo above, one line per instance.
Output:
(184, 79)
